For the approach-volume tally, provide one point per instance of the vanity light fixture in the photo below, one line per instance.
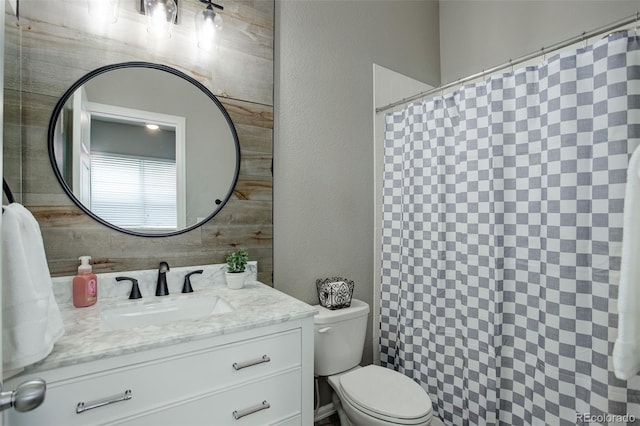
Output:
(105, 11)
(208, 25)
(161, 15)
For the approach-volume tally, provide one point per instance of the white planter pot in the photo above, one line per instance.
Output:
(235, 280)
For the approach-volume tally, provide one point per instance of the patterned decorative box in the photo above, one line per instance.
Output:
(335, 293)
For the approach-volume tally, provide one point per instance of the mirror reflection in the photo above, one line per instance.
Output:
(144, 149)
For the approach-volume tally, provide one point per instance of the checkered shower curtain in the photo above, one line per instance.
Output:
(502, 238)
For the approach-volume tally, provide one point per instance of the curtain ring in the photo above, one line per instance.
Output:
(511, 64)
(544, 54)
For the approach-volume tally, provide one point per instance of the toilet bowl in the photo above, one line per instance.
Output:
(363, 396)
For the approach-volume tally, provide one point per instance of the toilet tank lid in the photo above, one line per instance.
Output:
(358, 308)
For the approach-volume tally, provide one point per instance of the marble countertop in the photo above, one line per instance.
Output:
(255, 305)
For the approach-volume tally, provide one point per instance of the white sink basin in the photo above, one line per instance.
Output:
(161, 311)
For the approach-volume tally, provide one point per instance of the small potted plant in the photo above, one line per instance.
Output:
(236, 265)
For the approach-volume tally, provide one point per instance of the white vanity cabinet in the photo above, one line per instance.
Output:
(260, 376)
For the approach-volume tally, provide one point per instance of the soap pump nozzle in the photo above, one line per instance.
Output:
(85, 267)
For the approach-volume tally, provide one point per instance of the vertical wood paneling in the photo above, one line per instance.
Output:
(56, 43)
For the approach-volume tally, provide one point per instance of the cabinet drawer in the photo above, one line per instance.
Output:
(162, 381)
(293, 421)
(274, 400)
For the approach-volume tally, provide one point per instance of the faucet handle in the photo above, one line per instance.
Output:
(186, 288)
(135, 290)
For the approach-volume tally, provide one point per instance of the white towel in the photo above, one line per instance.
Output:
(31, 321)
(626, 351)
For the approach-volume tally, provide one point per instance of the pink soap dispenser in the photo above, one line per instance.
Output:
(85, 285)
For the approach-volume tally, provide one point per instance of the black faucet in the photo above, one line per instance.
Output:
(161, 286)
(186, 288)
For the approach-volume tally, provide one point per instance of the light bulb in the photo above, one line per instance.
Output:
(104, 11)
(208, 25)
(161, 15)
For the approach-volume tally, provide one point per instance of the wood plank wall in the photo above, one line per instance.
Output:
(56, 42)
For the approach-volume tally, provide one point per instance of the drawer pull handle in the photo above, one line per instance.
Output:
(81, 407)
(240, 365)
(238, 414)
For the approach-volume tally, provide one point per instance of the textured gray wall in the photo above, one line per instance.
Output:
(323, 131)
(477, 35)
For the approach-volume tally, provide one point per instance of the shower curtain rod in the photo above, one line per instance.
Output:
(544, 51)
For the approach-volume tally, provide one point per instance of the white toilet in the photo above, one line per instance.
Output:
(364, 396)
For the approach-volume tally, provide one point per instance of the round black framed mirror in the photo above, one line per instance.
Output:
(144, 149)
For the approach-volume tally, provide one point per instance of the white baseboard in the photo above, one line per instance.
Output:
(324, 412)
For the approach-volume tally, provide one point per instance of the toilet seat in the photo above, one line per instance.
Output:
(397, 399)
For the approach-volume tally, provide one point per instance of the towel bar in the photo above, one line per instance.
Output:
(7, 191)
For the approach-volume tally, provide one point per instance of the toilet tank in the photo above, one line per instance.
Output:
(339, 338)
